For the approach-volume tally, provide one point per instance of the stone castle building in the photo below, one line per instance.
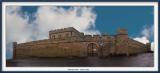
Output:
(69, 42)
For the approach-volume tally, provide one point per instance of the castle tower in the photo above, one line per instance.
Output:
(122, 42)
(148, 47)
(14, 49)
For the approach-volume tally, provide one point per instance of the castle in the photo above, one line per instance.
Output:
(69, 42)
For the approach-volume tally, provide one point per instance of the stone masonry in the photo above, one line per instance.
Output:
(69, 42)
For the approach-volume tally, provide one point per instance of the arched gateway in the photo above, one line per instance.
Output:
(92, 49)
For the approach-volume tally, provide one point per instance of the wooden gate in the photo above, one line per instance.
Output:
(92, 49)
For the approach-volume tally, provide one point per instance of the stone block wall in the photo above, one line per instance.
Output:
(74, 44)
(51, 49)
(136, 47)
(122, 44)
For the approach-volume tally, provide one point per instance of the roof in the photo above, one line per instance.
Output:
(68, 29)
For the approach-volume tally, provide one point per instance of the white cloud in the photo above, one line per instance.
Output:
(142, 39)
(152, 46)
(17, 28)
(146, 33)
(48, 18)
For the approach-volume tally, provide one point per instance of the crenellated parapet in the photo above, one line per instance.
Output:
(122, 31)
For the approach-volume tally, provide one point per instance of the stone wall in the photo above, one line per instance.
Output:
(51, 49)
(121, 44)
(137, 47)
(60, 50)
(75, 44)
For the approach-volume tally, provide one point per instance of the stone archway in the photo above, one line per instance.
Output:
(92, 49)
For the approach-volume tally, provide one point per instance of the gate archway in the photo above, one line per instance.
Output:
(92, 49)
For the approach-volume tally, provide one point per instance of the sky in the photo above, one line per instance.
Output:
(28, 23)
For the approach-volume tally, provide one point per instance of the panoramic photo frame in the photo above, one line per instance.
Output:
(154, 4)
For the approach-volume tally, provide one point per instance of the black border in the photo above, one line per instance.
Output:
(78, 1)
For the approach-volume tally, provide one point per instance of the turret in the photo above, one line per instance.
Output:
(14, 49)
(122, 31)
(122, 42)
(148, 47)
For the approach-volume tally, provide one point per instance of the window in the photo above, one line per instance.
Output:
(71, 33)
(59, 36)
(67, 35)
(53, 36)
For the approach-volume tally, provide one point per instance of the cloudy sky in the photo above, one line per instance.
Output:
(28, 23)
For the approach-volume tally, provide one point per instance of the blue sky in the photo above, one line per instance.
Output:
(30, 23)
(132, 18)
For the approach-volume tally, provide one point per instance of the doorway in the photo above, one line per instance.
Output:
(92, 49)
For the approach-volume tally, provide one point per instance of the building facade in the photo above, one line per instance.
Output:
(69, 42)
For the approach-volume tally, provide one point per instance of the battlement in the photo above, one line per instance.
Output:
(104, 34)
(122, 31)
(72, 32)
(94, 36)
(89, 36)
(63, 30)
